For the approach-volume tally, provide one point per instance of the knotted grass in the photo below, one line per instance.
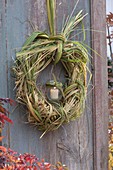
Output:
(40, 50)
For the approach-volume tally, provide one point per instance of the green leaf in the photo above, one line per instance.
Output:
(51, 15)
(33, 36)
(38, 114)
(59, 52)
(30, 39)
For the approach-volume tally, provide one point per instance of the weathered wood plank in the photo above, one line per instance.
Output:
(72, 144)
(3, 56)
(100, 98)
(17, 17)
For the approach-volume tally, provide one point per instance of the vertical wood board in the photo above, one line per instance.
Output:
(71, 144)
(100, 96)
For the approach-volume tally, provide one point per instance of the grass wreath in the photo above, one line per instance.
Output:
(39, 50)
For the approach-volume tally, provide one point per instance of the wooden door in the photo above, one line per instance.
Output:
(74, 144)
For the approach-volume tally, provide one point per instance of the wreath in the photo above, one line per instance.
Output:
(40, 50)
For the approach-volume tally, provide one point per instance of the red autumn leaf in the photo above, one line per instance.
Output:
(60, 168)
(39, 164)
(2, 148)
(47, 166)
(13, 160)
(11, 151)
(4, 117)
(3, 110)
(6, 100)
(109, 18)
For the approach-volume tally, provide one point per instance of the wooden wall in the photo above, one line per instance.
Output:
(100, 78)
(77, 144)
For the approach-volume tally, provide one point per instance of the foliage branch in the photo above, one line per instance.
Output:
(12, 160)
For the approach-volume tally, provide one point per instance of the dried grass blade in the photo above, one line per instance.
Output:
(51, 15)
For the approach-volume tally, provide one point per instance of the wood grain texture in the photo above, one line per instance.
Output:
(100, 96)
(4, 92)
(3, 52)
(72, 144)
